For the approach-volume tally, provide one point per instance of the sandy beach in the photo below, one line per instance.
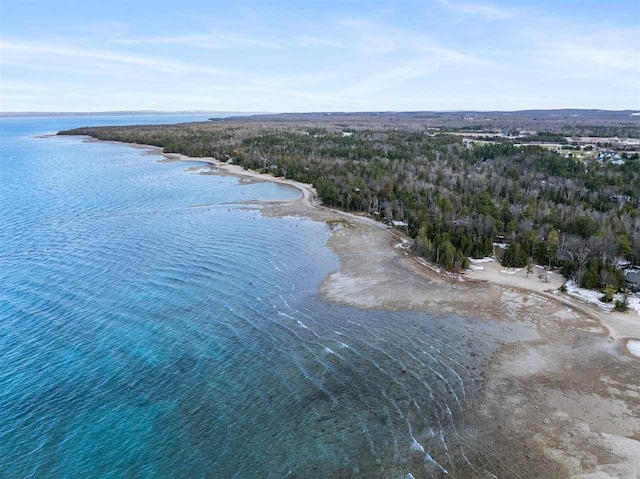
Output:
(561, 397)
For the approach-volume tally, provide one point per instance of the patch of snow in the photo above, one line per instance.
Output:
(593, 297)
(404, 244)
(633, 345)
(481, 260)
(540, 298)
(438, 270)
(587, 296)
(475, 268)
(501, 245)
(511, 271)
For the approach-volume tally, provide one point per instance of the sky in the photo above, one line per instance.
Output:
(348, 55)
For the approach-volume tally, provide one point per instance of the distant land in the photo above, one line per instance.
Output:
(14, 114)
(633, 115)
(570, 121)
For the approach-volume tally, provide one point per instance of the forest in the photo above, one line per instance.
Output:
(457, 198)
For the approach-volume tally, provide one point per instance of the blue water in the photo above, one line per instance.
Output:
(145, 335)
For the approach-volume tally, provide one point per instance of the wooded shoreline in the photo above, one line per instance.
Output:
(524, 387)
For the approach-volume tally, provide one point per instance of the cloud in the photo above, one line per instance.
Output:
(150, 63)
(625, 59)
(351, 58)
(606, 50)
(371, 38)
(433, 59)
(587, 54)
(477, 9)
(309, 41)
(104, 29)
(396, 55)
(217, 40)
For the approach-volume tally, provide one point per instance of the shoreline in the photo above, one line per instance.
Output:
(566, 394)
(309, 197)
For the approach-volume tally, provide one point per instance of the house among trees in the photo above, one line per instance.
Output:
(612, 156)
(622, 199)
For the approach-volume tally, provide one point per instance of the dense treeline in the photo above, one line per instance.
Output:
(456, 199)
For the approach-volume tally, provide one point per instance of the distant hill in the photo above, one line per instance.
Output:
(466, 117)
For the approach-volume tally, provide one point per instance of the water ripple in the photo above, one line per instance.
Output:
(142, 337)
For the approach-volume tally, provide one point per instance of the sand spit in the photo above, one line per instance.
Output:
(562, 401)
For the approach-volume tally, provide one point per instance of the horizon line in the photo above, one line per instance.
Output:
(245, 112)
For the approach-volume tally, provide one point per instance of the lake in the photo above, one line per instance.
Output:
(143, 334)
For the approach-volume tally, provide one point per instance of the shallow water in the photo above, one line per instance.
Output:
(141, 336)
